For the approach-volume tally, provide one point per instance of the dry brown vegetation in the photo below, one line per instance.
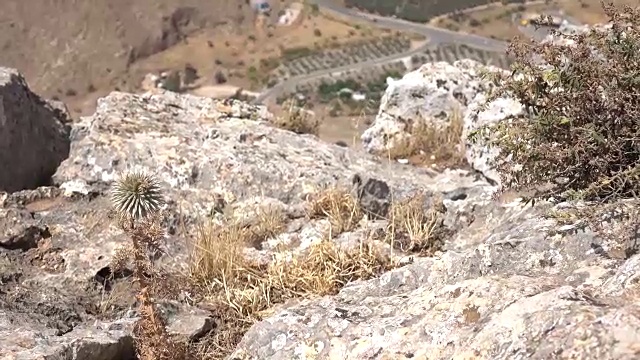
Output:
(580, 137)
(137, 199)
(298, 119)
(338, 206)
(434, 145)
(241, 291)
(414, 228)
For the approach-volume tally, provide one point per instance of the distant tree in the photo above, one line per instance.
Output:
(220, 78)
(190, 74)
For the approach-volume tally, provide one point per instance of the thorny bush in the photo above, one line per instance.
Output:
(580, 132)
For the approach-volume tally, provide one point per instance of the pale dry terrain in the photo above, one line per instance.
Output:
(234, 53)
(78, 51)
(67, 46)
(494, 20)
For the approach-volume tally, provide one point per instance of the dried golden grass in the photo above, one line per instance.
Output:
(412, 228)
(298, 120)
(217, 252)
(337, 205)
(269, 223)
(241, 292)
(432, 145)
(325, 269)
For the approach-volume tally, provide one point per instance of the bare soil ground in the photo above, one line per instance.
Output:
(335, 129)
(78, 51)
(72, 46)
(235, 53)
(493, 21)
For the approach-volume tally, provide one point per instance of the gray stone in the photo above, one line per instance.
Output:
(186, 321)
(430, 95)
(34, 138)
(505, 288)
(213, 158)
(374, 196)
(509, 283)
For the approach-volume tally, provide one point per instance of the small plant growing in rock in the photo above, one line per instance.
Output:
(579, 136)
(137, 200)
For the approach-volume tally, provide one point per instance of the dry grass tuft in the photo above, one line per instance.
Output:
(337, 205)
(241, 292)
(270, 223)
(325, 269)
(413, 228)
(438, 146)
(298, 120)
(218, 252)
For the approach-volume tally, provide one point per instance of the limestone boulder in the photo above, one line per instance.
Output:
(480, 155)
(513, 284)
(57, 242)
(434, 95)
(34, 136)
(429, 95)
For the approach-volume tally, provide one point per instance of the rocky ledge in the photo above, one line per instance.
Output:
(510, 282)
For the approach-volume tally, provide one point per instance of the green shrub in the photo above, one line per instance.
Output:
(580, 134)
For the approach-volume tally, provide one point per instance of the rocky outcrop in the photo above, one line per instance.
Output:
(431, 95)
(209, 155)
(479, 154)
(510, 283)
(34, 139)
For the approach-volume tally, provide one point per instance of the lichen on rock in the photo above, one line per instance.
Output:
(509, 281)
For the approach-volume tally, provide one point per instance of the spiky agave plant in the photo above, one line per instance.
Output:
(137, 195)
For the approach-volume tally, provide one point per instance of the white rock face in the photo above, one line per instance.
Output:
(479, 154)
(430, 94)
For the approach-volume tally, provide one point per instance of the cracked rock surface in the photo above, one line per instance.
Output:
(510, 282)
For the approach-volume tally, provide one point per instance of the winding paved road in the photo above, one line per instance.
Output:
(434, 35)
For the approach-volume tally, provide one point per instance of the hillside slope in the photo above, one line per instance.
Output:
(69, 46)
